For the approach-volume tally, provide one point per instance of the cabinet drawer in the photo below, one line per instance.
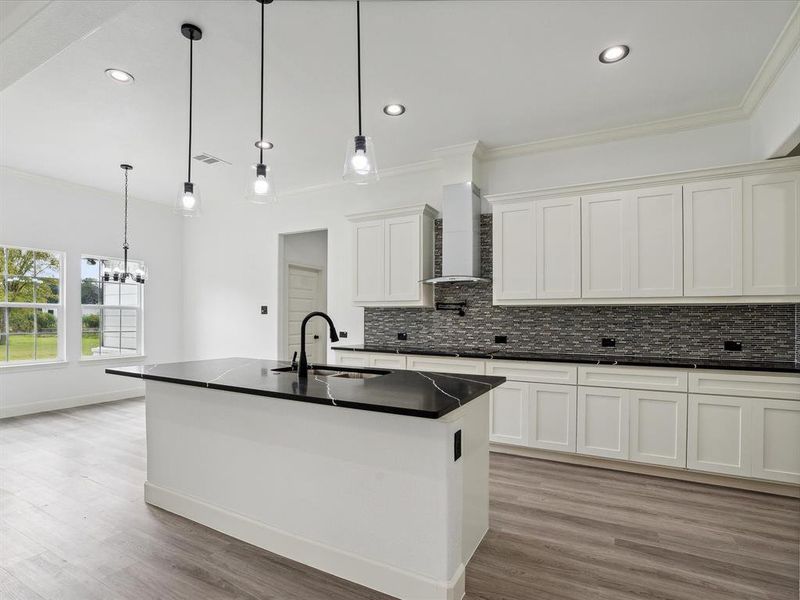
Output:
(348, 358)
(535, 372)
(438, 364)
(637, 378)
(782, 386)
(387, 361)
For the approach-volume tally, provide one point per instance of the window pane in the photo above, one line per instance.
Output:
(47, 272)
(2, 283)
(90, 332)
(90, 281)
(20, 334)
(21, 269)
(3, 336)
(119, 331)
(129, 294)
(46, 345)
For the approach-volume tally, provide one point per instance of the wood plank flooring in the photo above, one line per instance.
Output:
(73, 525)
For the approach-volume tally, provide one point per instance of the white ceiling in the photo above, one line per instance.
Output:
(502, 72)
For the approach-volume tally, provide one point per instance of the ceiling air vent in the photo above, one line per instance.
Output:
(209, 159)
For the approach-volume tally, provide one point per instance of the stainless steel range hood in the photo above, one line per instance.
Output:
(461, 235)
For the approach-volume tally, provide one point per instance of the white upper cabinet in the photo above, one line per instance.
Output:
(369, 246)
(514, 256)
(606, 265)
(712, 233)
(558, 248)
(393, 252)
(656, 242)
(771, 234)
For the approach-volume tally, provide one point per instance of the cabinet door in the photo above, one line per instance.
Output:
(605, 264)
(508, 411)
(603, 422)
(712, 236)
(719, 434)
(656, 228)
(776, 439)
(558, 248)
(772, 234)
(552, 416)
(369, 255)
(402, 258)
(658, 428)
(387, 361)
(349, 358)
(514, 252)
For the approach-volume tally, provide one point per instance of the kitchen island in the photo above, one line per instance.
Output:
(378, 477)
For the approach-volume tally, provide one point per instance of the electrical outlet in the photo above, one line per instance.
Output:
(457, 446)
(501, 339)
(732, 346)
(608, 343)
(264, 310)
(342, 334)
(402, 336)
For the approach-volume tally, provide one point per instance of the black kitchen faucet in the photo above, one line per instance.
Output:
(302, 370)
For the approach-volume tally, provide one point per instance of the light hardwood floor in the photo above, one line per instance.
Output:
(74, 526)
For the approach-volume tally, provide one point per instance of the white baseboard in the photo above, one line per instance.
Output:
(349, 566)
(29, 408)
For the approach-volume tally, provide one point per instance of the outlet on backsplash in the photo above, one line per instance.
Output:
(608, 343)
(402, 336)
(501, 339)
(732, 346)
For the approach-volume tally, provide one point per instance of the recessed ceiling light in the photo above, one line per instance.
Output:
(614, 54)
(394, 110)
(119, 76)
(264, 145)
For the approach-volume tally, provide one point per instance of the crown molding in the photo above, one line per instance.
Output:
(778, 165)
(786, 44)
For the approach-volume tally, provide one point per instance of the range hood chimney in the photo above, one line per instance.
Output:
(461, 235)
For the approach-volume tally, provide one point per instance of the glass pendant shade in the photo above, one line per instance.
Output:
(261, 189)
(187, 203)
(360, 166)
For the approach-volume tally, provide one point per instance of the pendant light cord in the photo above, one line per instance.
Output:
(125, 234)
(261, 132)
(358, 45)
(191, 76)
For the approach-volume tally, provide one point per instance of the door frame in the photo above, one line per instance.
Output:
(283, 288)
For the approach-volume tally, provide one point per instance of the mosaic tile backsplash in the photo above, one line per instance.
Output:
(767, 331)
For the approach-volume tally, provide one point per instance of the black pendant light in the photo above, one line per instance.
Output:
(123, 275)
(359, 162)
(188, 200)
(262, 189)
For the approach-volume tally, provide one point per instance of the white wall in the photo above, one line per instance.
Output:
(775, 123)
(41, 212)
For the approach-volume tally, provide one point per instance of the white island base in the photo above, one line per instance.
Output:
(374, 498)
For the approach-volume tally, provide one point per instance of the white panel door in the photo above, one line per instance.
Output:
(558, 248)
(656, 228)
(514, 272)
(552, 416)
(719, 434)
(369, 258)
(603, 422)
(304, 295)
(402, 258)
(772, 234)
(508, 413)
(658, 427)
(605, 255)
(712, 237)
(776, 440)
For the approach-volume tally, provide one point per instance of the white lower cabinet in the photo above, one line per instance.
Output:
(508, 413)
(387, 361)
(352, 359)
(719, 434)
(603, 422)
(776, 439)
(552, 416)
(658, 427)
(446, 364)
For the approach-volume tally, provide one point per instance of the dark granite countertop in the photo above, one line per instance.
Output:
(411, 393)
(594, 359)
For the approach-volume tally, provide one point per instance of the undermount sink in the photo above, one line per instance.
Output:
(342, 373)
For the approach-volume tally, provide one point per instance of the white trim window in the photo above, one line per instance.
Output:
(111, 311)
(31, 307)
